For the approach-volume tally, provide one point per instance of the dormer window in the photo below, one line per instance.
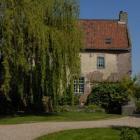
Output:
(108, 40)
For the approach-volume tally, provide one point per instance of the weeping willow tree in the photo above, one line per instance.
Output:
(40, 50)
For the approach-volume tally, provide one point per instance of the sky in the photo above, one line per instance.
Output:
(109, 9)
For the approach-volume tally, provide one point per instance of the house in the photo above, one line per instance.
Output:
(106, 55)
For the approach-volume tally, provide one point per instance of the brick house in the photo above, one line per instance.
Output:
(106, 55)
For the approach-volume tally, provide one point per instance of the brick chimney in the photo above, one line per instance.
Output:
(123, 17)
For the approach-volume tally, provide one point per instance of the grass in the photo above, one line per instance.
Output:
(91, 134)
(65, 116)
(84, 134)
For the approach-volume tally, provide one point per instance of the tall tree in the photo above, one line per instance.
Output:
(40, 50)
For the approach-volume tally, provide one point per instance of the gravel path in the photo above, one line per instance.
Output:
(34, 130)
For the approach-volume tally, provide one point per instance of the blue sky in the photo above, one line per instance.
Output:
(109, 9)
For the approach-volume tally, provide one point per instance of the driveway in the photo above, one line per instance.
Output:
(34, 130)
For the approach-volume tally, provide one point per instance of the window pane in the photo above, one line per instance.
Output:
(100, 62)
(79, 85)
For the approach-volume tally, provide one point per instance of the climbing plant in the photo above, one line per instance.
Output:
(40, 51)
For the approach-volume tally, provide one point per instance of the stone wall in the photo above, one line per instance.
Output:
(124, 64)
(117, 65)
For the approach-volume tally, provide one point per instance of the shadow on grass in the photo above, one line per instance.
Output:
(24, 114)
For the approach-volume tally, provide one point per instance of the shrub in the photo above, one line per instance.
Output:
(138, 131)
(109, 96)
(94, 108)
(129, 134)
(76, 99)
(64, 108)
(137, 92)
(64, 100)
(137, 105)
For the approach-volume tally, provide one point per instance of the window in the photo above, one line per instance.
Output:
(79, 85)
(108, 40)
(100, 62)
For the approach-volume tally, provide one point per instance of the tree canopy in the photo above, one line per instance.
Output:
(40, 50)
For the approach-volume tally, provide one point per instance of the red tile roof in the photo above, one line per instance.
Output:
(98, 32)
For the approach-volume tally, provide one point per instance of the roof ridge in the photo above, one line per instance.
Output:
(99, 19)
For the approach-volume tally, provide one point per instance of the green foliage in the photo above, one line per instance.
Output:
(94, 108)
(40, 49)
(137, 92)
(128, 84)
(65, 108)
(129, 134)
(137, 98)
(66, 100)
(137, 105)
(138, 79)
(110, 96)
(76, 99)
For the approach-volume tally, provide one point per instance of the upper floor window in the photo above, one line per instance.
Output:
(100, 62)
(108, 40)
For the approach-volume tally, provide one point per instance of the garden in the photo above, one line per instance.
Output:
(39, 61)
(95, 134)
(105, 102)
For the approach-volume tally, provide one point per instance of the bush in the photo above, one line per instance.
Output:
(67, 100)
(94, 108)
(76, 99)
(137, 92)
(110, 96)
(137, 105)
(138, 131)
(64, 108)
(64, 100)
(129, 134)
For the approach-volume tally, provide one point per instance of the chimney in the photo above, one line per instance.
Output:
(123, 17)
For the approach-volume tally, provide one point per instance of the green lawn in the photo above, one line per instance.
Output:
(84, 134)
(66, 116)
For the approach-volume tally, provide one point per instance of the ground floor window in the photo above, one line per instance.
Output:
(79, 85)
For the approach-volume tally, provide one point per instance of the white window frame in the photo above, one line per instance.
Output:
(79, 85)
(100, 62)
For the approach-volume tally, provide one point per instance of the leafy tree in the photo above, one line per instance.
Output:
(138, 79)
(128, 84)
(136, 94)
(40, 50)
